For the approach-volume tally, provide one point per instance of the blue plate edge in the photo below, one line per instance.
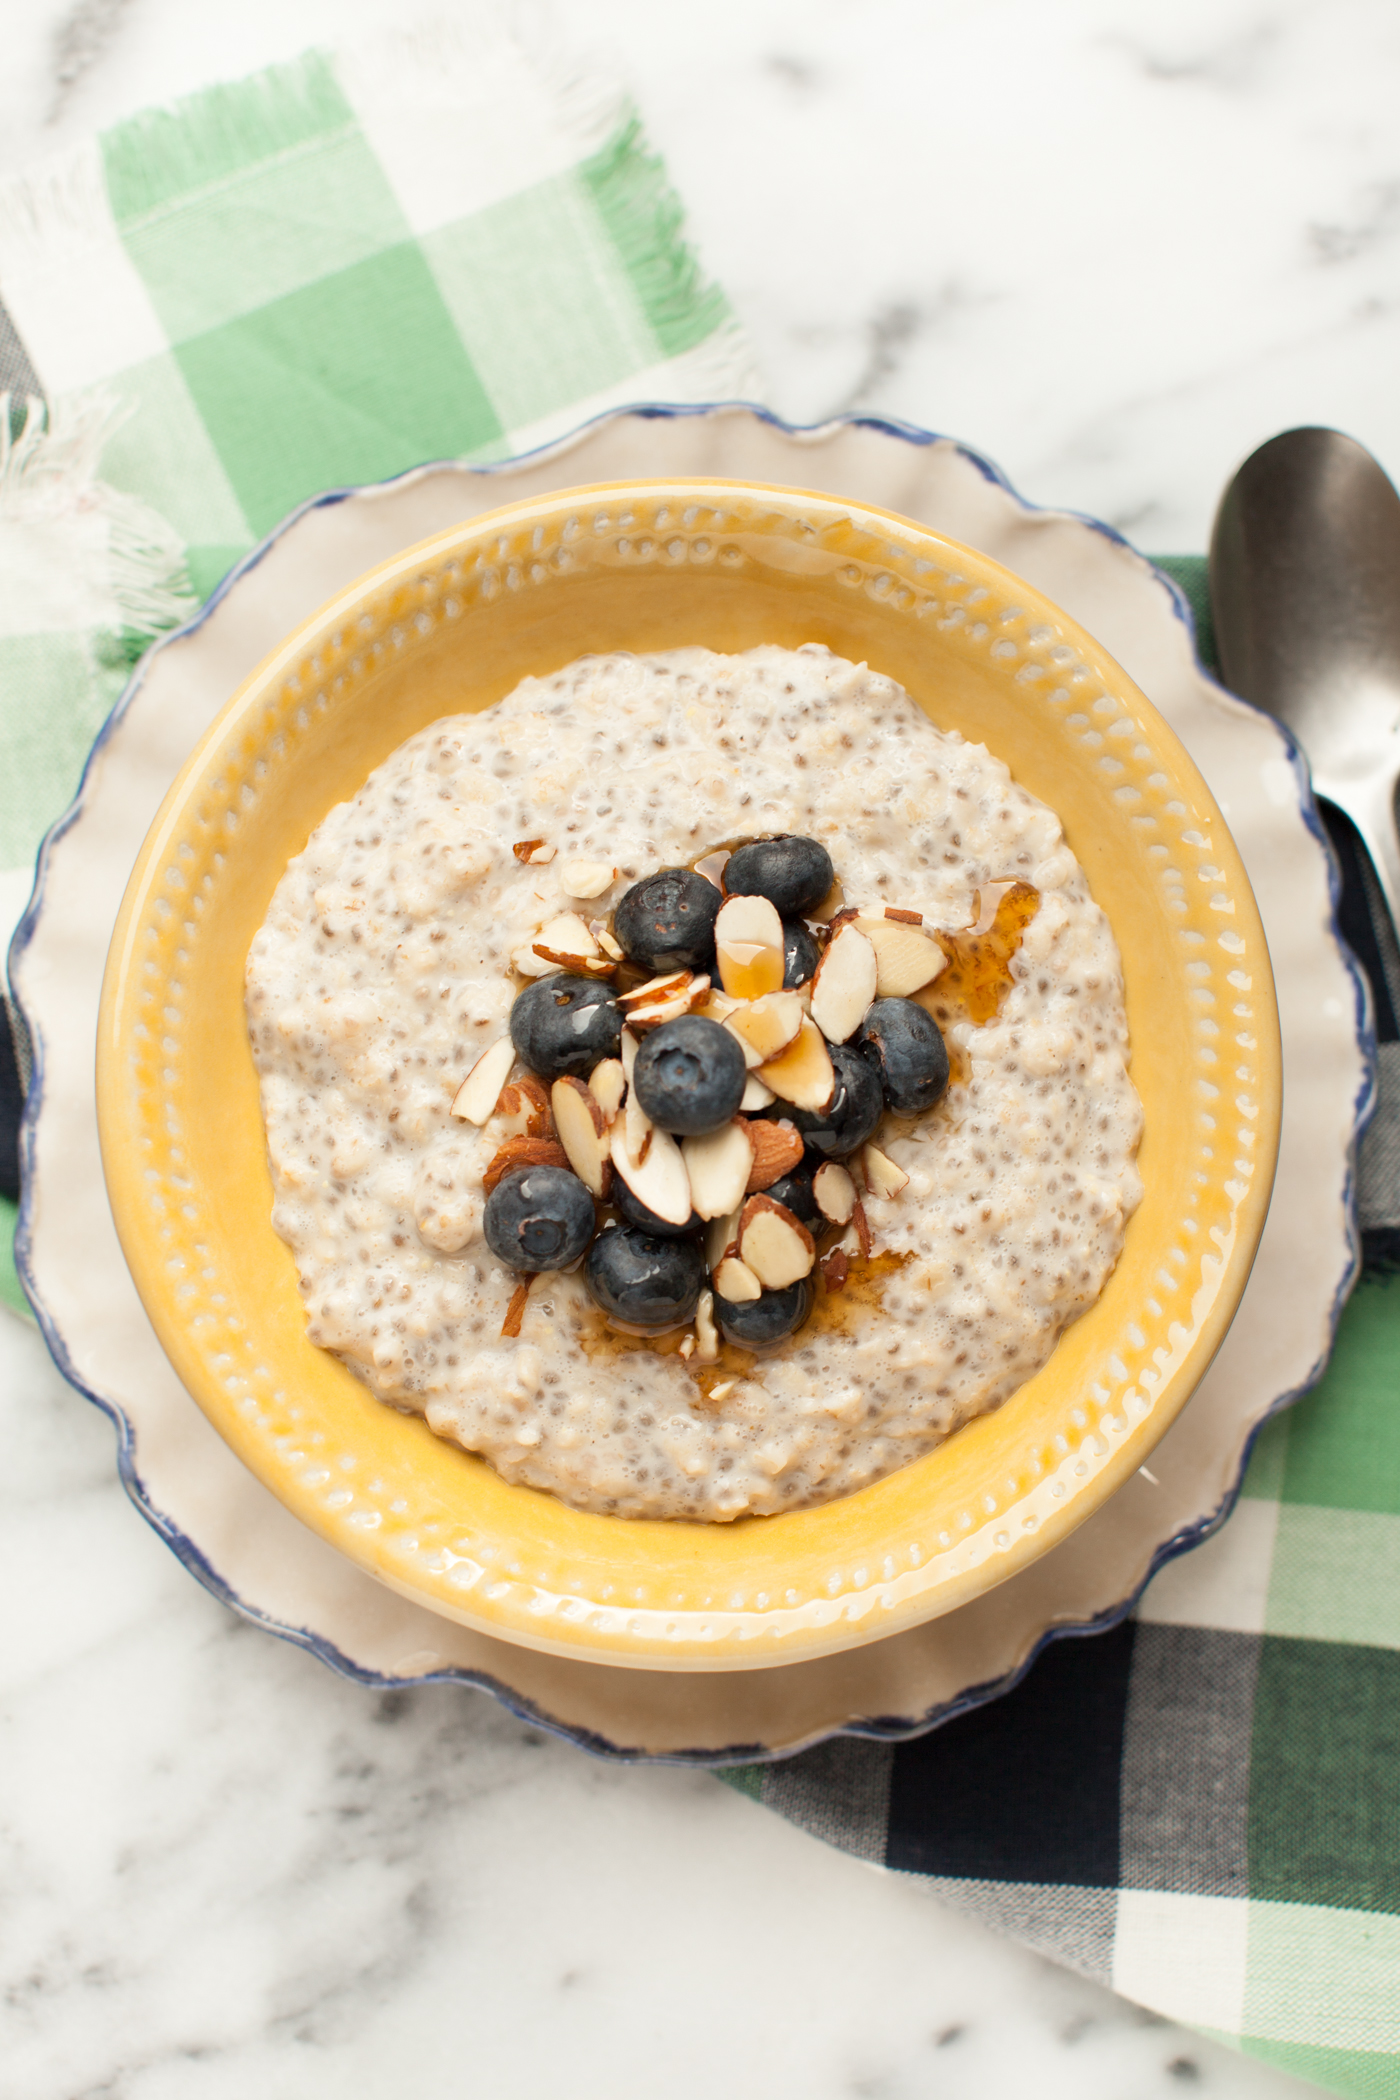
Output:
(897, 1728)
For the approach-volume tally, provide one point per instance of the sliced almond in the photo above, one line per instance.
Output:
(774, 1244)
(906, 958)
(721, 1238)
(843, 989)
(655, 988)
(835, 1193)
(523, 1152)
(756, 1095)
(565, 935)
(583, 1129)
(905, 918)
(749, 944)
(706, 1333)
(802, 1073)
(524, 1109)
(881, 1173)
(599, 966)
(636, 1124)
(716, 1005)
(475, 1099)
(736, 1283)
(515, 1311)
(718, 1165)
(627, 1051)
(605, 941)
(862, 1228)
(587, 878)
(777, 1149)
(658, 1179)
(767, 1025)
(642, 1019)
(607, 1083)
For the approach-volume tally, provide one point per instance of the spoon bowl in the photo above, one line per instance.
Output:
(1305, 588)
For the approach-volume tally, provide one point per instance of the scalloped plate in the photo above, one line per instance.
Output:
(226, 1526)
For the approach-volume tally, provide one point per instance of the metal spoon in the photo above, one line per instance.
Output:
(1305, 589)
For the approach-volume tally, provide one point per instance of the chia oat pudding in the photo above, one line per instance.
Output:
(916, 1171)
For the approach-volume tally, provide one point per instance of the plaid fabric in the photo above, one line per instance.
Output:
(323, 275)
(346, 266)
(1202, 1806)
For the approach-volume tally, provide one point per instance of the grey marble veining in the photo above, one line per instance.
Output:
(1111, 249)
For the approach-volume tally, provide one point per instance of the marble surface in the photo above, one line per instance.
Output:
(1115, 252)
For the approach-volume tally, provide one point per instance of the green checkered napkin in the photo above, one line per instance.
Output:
(346, 266)
(321, 276)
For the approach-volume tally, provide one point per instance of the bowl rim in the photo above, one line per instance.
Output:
(1136, 1443)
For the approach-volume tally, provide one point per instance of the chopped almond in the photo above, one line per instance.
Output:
(835, 1193)
(657, 1175)
(774, 1244)
(766, 1026)
(523, 1152)
(736, 1283)
(523, 848)
(749, 943)
(475, 1099)
(587, 878)
(882, 1176)
(843, 989)
(718, 1165)
(835, 1268)
(777, 1149)
(905, 918)
(525, 1106)
(607, 1083)
(515, 1311)
(713, 865)
(582, 1129)
(802, 1073)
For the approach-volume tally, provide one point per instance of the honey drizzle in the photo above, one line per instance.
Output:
(970, 987)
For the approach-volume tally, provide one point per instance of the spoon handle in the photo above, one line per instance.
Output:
(1371, 806)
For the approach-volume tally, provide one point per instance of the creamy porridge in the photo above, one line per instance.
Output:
(943, 1253)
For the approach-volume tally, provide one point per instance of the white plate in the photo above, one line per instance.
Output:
(238, 1539)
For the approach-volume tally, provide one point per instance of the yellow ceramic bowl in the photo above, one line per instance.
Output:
(453, 624)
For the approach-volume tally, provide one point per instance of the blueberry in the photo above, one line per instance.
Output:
(690, 1075)
(645, 1280)
(794, 1191)
(800, 956)
(903, 1045)
(754, 1323)
(850, 1116)
(793, 873)
(667, 922)
(634, 1212)
(538, 1218)
(564, 1025)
